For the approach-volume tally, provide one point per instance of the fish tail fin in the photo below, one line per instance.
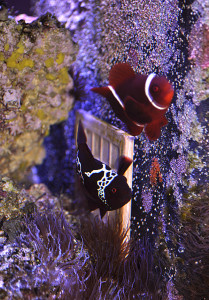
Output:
(81, 136)
(103, 91)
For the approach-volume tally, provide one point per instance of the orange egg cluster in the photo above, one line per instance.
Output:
(155, 174)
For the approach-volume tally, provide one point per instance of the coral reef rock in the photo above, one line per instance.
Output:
(34, 89)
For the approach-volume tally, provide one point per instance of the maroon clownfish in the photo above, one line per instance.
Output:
(140, 101)
(104, 188)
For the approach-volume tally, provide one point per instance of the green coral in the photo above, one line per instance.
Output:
(34, 88)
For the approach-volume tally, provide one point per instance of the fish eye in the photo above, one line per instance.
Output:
(114, 190)
(155, 88)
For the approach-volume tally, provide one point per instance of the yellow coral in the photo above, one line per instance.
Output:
(20, 48)
(49, 62)
(27, 62)
(6, 47)
(12, 60)
(1, 56)
(39, 51)
(41, 114)
(50, 76)
(63, 75)
(60, 58)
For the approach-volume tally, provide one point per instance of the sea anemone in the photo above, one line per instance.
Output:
(78, 90)
(142, 274)
(88, 260)
(60, 267)
(126, 267)
(192, 278)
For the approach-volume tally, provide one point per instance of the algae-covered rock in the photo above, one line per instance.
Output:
(34, 88)
(17, 202)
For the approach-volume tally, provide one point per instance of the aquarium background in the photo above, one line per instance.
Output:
(20, 7)
(161, 37)
(170, 175)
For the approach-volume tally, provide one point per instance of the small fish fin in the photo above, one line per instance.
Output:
(81, 136)
(120, 73)
(163, 121)
(133, 129)
(153, 129)
(103, 91)
(83, 201)
(102, 212)
(136, 111)
(88, 201)
(124, 163)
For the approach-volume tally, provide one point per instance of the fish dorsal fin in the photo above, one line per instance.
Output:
(81, 136)
(103, 91)
(120, 73)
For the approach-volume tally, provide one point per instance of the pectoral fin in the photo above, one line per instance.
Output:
(153, 129)
(136, 111)
(124, 163)
(103, 91)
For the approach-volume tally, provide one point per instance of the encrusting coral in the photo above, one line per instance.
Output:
(34, 88)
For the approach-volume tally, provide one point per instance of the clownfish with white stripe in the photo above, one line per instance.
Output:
(140, 101)
(104, 188)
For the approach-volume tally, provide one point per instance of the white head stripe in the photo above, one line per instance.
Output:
(147, 93)
(115, 95)
(107, 178)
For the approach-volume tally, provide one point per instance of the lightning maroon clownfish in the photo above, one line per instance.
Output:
(140, 101)
(104, 188)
